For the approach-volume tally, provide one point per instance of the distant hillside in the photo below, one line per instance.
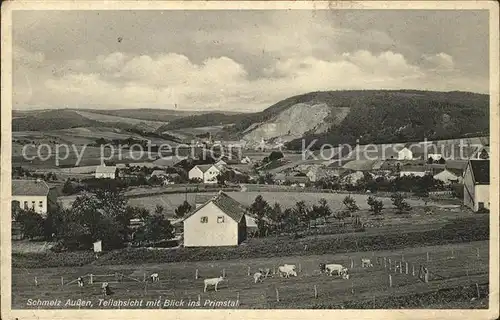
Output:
(204, 120)
(372, 116)
(52, 120)
(164, 115)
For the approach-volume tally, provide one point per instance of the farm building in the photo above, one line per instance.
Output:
(413, 171)
(246, 160)
(435, 156)
(30, 194)
(448, 176)
(477, 185)
(171, 178)
(354, 177)
(219, 222)
(316, 174)
(221, 164)
(405, 154)
(159, 173)
(296, 181)
(207, 173)
(103, 172)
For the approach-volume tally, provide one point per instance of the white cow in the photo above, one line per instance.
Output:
(287, 270)
(333, 267)
(366, 262)
(154, 277)
(257, 276)
(212, 282)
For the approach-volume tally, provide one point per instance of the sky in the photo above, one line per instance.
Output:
(239, 60)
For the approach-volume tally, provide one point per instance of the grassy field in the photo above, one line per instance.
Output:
(153, 125)
(285, 199)
(449, 266)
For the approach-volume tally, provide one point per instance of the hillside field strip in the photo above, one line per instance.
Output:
(285, 199)
(450, 266)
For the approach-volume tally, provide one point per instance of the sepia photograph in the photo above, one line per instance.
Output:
(237, 156)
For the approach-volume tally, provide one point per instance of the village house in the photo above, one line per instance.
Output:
(220, 164)
(30, 194)
(405, 154)
(171, 178)
(207, 173)
(448, 176)
(105, 172)
(413, 171)
(219, 222)
(159, 173)
(245, 160)
(316, 174)
(477, 185)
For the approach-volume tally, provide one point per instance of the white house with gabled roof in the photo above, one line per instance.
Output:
(207, 173)
(218, 222)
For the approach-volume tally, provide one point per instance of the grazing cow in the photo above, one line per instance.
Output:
(80, 281)
(154, 277)
(331, 268)
(366, 263)
(212, 282)
(345, 273)
(265, 272)
(291, 266)
(257, 276)
(287, 271)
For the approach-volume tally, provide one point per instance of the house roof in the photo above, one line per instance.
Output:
(480, 171)
(158, 172)
(105, 169)
(297, 179)
(205, 167)
(228, 205)
(29, 188)
(413, 169)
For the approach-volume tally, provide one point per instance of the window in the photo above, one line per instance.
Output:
(32, 204)
(481, 205)
(204, 220)
(26, 205)
(40, 204)
(220, 219)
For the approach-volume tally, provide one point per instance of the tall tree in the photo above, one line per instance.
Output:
(181, 210)
(399, 203)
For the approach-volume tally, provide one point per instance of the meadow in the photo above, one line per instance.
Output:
(453, 265)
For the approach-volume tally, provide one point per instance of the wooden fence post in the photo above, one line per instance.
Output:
(385, 263)
(277, 295)
(144, 277)
(315, 291)
(390, 264)
(390, 280)
(400, 267)
(477, 290)
(199, 299)
(224, 273)
(428, 256)
(305, 247)
(248, 271)
(352, 263)
(426, 276)
(196, 274)
(91, 281)
(352, 287)
(413, 270)
(406, 267)
(145, 287)
(36, 282)
(477, 251)
(237, 296)
(62, 281)
(300, 267)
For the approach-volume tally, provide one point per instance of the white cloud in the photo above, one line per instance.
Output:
(440, 61)
(161, 80)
